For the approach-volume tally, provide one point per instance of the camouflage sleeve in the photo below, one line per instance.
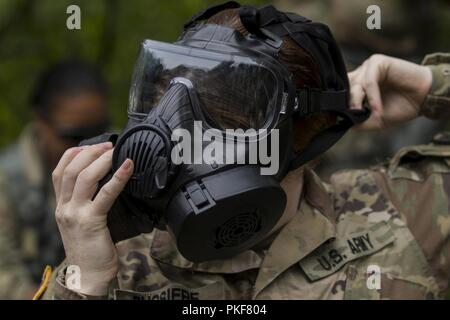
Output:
(417, 181)
(15, 281)
(437, 103)
(57, 289)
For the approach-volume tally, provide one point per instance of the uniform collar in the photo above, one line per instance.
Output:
(313, 225)
(318, 196)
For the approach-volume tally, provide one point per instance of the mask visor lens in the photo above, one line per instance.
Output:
(234, 91)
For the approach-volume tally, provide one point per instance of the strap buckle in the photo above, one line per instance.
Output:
(308, 102)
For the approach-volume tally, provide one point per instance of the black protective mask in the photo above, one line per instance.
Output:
(217, 210)
(212, 210)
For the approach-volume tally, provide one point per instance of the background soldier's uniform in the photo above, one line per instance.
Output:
(29, 238)
(395, 217)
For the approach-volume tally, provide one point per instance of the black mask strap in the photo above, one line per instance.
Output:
(253, 18)
(312, 101)
(323, 141)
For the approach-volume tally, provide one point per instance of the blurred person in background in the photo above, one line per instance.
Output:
(409, 29)
(68, 104)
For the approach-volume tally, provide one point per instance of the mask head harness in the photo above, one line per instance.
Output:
(270, 25)
(215, 210)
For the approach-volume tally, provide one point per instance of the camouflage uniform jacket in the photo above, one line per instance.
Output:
(368, 234)
(29, 238)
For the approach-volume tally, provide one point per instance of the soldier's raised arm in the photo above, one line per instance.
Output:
(398, 91)
(416, 181)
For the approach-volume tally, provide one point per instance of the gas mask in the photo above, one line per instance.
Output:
(212, 94)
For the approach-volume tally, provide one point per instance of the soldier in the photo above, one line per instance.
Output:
(68, 105)
(369, 234)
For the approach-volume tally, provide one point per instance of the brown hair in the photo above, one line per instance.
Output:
(306, 73)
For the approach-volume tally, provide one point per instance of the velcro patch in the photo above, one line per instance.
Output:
(330, 257)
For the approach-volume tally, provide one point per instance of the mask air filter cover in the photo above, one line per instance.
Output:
(224, 214)
(148, 147)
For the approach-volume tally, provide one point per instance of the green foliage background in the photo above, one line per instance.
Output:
(33, 34)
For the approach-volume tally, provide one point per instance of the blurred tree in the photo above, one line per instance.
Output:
(33, 34)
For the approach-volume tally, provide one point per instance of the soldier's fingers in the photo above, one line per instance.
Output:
(111, 190)
(79, 163)
(87, 181)
(373, 123)
(357, 95)
(371, 85)
(57, 174)
(352, 75)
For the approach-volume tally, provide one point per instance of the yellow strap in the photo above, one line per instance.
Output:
(44, 283)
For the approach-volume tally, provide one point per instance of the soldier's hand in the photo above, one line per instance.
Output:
(82, 219)
(395, 90)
